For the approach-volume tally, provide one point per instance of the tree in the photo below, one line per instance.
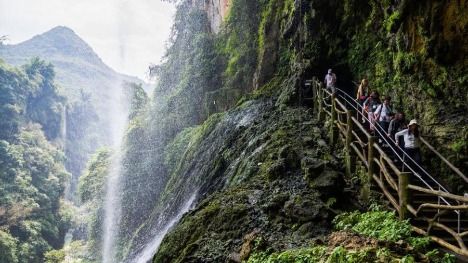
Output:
(3, 39)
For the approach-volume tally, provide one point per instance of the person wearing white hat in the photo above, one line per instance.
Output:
(412, 141)
(330, 80)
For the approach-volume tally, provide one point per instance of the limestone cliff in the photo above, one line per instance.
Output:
(216, 10)
(229, 124)
(271, 177)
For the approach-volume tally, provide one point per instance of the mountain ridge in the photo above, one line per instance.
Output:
(89, 85)
(77, 65)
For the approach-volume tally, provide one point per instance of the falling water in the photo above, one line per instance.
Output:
(112, 199)
(151, 248)
(67, 194)
(64, 128)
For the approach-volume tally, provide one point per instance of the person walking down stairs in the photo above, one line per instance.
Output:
(397, 124)
(412, 144)
(330, 80)
(370, 106)
(383, 115)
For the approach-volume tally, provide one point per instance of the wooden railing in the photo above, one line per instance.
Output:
(433, 211)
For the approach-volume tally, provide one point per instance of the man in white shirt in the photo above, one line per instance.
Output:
(383, 115)
(330, 80)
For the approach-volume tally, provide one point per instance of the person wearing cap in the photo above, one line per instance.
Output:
(330, 80)
(412, 141)
(383, 115)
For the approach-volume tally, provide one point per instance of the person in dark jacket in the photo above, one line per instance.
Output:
(397, 124)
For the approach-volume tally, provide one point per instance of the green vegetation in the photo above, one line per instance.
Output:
(316, 254)
(91, 193)
(263, 168)
(33, 218)
(324, 255)
(264, 51)
(238, 43)
(86, 82)
(83, 137)
(412, 39)
(377, 223)
(381, 224)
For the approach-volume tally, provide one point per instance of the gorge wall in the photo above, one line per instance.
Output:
(226, 131)
(268, 49)
(216, 10)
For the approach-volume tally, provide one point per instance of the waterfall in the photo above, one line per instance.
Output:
(64, 128)
(67, 194)
(150, 249)
(113, 188)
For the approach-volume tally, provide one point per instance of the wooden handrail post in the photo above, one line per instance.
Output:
(403, 194)
(321, 110)
(313, 86)
(350, 155)
(370, 157)
(333, 128)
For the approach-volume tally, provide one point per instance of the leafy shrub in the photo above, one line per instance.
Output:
(314, 254)
(380, 224)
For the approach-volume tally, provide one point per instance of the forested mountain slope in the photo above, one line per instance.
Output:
(89, 85)
(77, 66)
(33, 217)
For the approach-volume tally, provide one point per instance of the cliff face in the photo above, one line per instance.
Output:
(249, 172)
(262, 161)
(412, 51)
(217, 10)
(409, 50)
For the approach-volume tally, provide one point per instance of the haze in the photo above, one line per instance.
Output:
(126, 35)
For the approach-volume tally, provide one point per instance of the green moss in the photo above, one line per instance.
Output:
(460, 146)
(268, 90)
(439, 77)
(362, 177)
(286, 55)
(288, 7)
(223, 213)
(184, 146)
(404, 62)
(267, 17)
(392, 22)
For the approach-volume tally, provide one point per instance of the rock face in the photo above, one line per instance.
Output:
(264, 170)
(216, 11)
(255, 185)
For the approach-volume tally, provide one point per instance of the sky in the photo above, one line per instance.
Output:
(127, 35)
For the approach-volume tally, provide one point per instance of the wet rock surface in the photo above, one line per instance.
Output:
(272, 186)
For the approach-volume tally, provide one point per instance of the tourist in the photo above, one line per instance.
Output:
(397, 124)
(383, 115)
(363, 91)
(412, 143)
(330, 80)
(369, 106)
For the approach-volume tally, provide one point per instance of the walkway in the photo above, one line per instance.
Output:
(416, 195)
